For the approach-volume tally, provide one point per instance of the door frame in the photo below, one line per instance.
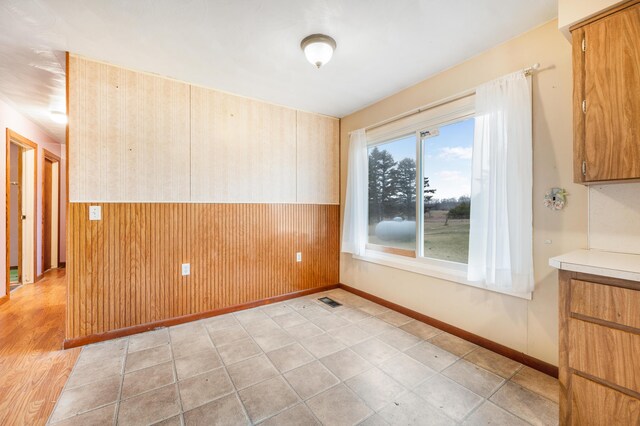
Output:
(13, 137)
(20, 183)
(48, 155)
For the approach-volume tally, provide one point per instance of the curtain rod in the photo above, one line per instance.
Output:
(527, 71)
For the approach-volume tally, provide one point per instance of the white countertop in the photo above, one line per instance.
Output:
(607, 264)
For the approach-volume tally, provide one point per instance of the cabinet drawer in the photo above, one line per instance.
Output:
(594, 404)
(607, 353)
(605, 302)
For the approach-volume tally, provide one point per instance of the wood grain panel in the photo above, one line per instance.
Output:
(124, 270)
(318, 159)
(137, 137)
(578, 96)
(609, 303)
(612, 92)
(128, 134)
(594, 404)
(243, 150)
(606, 353)
(564, 372)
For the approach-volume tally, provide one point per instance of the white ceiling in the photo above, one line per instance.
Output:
(251, 47)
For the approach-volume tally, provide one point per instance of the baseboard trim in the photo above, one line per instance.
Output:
(62, 265)
(128, 331)
(513, 354)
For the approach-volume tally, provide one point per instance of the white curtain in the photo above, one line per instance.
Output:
(354, 230)
(500, 240)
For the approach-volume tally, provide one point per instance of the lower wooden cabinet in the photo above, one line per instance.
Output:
(599, 368)
(595, 404)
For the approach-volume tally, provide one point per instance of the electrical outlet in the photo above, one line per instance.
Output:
(95, 213)
(298, 257)
(186, 269)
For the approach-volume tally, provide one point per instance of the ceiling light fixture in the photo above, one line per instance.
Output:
(59, 117)
(318, 48)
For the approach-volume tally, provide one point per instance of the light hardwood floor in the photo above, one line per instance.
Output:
(33, 366)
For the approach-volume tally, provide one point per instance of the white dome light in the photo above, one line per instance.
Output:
(318, 49)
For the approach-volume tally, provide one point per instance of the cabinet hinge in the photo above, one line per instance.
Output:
(584, 168)
(584, 45)
(584, 106)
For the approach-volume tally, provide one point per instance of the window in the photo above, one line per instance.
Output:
(446, 160)
(420, 182)
(392, 194)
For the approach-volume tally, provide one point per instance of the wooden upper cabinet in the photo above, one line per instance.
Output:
(606, 56)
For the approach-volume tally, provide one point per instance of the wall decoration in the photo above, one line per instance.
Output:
(555, 198)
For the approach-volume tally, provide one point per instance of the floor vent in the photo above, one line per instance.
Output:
(329, 301)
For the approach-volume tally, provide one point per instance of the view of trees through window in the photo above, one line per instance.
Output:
(446, 163)
(392, 193)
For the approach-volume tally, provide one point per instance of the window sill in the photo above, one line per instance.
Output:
(448, 271)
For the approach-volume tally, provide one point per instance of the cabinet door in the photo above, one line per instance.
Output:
(594, 404)
(612, 93)
(607, 353)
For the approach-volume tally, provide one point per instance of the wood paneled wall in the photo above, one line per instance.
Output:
(244, 150)
(317, 160)
(136, 137)
(125, 269)
(128, 135)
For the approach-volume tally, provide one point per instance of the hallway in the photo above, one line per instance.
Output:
(34, 367)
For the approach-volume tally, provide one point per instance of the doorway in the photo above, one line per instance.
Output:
(21, 173)
(50, 211)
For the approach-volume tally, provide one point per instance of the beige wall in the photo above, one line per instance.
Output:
(570, 12)
(527, 326)
(614, 217)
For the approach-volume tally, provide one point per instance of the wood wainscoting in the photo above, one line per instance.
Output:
(125, 270)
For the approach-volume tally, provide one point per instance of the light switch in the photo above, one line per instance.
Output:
(95, 213)
(298, 257)
(186, 269)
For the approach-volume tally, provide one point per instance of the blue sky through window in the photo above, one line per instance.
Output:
(447, 158)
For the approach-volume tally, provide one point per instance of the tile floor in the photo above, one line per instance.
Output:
(301, 362)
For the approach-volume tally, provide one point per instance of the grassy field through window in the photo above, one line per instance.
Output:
(446, 242)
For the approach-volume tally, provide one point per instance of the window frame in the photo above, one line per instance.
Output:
(420, 178)
(437, 116)
(446, 112)
(381, 247)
